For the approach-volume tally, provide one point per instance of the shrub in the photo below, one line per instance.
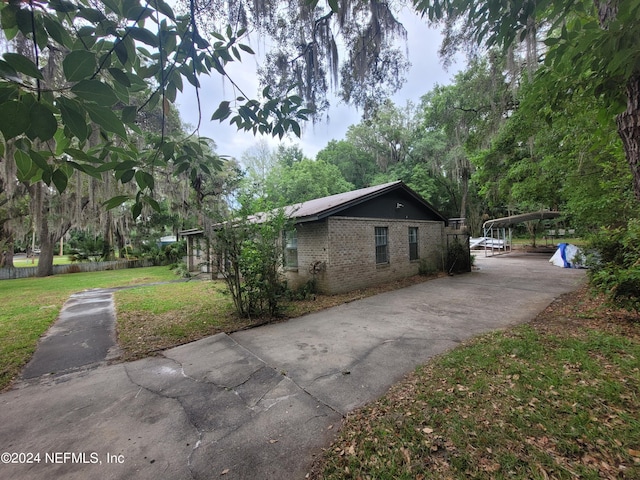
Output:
(174, 252)
(615, 268)
(253, 258)
(181, 269)
(305, 292)
(426, 267)
(458, 257)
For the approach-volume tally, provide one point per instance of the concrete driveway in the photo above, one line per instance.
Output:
(259, 404)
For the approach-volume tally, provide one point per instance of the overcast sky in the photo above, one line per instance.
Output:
(425, 72)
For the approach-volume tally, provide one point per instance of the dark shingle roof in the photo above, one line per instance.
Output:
(320, 208)
(323, 207)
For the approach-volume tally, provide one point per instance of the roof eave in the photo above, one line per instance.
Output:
(348, 204)
(365, 198)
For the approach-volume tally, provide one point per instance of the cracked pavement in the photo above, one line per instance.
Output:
(261, 403)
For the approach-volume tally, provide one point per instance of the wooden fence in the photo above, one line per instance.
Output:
(26, 272)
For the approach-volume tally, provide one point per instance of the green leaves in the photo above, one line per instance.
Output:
(95, 91)
(276, 116)
(222, 112)
(78, 65)
(116, 201)
(143, 35)
(124, 60)
(74, 117)
(108, 120)
(35, 120)
(144, 180)
(42, 123)
(120, 77)
(24, 164)
(60, 180)
(14, 119)
(23, 65)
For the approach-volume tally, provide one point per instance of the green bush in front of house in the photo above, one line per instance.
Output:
(253, 261)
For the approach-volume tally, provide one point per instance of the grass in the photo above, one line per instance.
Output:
(20, 262)
(557, 398)
(30, 305)
(163, 316)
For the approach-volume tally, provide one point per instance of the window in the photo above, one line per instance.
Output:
(291, 249)
(382, 245)
(413, 243)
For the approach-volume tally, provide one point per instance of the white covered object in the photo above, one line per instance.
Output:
(567, 256)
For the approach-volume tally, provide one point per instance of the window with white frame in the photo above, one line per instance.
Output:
(413, 243)
(382, 245)
(291, 249)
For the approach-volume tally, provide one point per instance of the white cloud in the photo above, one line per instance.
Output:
(426, 71)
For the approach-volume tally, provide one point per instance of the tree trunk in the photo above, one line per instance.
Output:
(45, 260)
(8, 256)
(47, 242)
(122, 253)
(629, 120)
(465, 174)
(106, 236)
(629, 130)
(47, 237)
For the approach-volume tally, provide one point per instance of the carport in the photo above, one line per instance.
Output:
(498, 231)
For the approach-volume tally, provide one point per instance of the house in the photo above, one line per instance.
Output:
(198, 253)
(361, 238)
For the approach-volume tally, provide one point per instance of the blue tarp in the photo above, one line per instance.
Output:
(567, 256)
(563, 254)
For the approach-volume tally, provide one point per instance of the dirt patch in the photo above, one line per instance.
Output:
(580, 311)
(317, 302)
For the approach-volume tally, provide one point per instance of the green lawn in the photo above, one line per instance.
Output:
(33, 262)
(163, 316)
(541, 241)
(30, 305)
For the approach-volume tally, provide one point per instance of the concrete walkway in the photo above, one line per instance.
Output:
(259, 404)
(84, 335)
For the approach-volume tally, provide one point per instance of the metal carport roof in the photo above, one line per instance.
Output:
(505, 222)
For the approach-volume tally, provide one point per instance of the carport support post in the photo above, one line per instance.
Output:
(499, 234)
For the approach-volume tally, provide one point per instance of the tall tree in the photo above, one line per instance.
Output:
(68, 98)
(108, 51)
(289, 155)
(387, 134)
(316, 45)
(592, 47)
(258, 161)
(304, 180)
(357, 166)
(465, 115)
